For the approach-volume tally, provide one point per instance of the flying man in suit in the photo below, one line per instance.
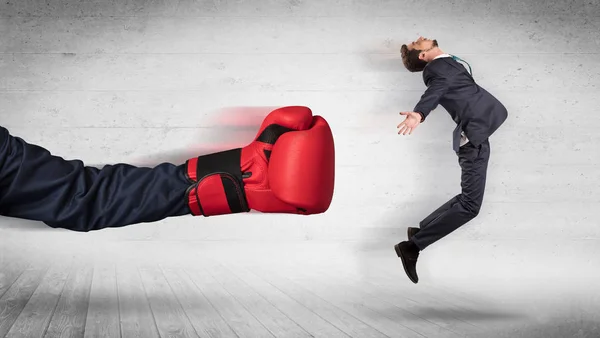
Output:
(477, 114)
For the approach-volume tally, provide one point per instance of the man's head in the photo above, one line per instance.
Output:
(417, 54)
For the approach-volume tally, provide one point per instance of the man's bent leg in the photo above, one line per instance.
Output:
(67, 194)
(461, 208)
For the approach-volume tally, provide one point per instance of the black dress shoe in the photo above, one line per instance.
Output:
(412, 231)
(408, 253)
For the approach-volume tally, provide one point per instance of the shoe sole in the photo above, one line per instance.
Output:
(398, 252)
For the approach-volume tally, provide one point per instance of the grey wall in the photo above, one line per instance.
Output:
(146, 82)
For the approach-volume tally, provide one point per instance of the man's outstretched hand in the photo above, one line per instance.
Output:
(409, 124)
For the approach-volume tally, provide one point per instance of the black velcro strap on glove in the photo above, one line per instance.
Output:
(218, 187)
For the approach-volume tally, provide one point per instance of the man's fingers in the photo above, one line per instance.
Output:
(407, 126)
(404, 130)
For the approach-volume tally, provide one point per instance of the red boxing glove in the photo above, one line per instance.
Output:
(288, 168)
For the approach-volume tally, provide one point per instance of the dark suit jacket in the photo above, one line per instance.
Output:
(36, 185)
(476, 112)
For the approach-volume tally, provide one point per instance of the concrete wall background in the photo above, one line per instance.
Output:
(146, 82)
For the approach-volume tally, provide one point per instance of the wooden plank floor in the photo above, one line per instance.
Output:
(229, 298)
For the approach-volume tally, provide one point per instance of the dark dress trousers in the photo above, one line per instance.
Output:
(37, 185)
(477, 114)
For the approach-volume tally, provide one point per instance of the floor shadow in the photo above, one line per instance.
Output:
(551, 328)
(473, 315)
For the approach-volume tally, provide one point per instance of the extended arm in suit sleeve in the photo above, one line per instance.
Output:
(36, 185)
(437, 86)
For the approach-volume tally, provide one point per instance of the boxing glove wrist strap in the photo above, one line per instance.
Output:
(217, 187)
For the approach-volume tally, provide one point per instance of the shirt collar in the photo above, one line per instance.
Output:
(442, 56)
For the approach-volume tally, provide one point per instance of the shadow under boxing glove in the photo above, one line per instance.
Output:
(288, 168)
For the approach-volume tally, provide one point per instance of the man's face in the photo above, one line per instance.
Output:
(414, 54)
(422, 44)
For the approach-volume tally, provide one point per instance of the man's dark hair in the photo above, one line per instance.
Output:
(411, 60)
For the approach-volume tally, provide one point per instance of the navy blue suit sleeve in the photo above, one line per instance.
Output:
(37, 185)
(437, 86)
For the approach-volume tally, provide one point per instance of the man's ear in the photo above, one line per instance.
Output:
(422, 56)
